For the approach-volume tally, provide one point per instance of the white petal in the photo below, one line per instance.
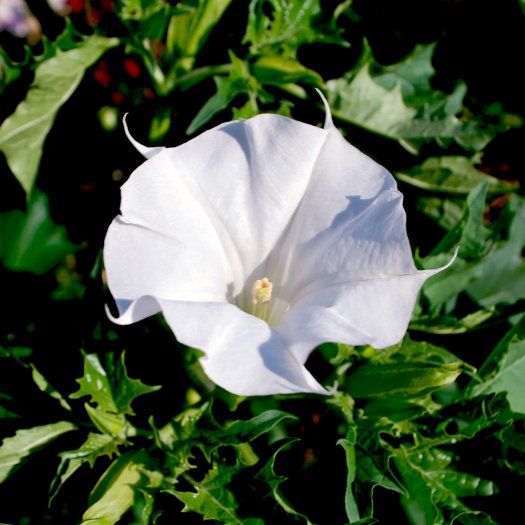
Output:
(145, 151)
(253, 175)
(350, 225)
(243, 354)
(374, 312)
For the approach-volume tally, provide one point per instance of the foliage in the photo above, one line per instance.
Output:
(429, 431)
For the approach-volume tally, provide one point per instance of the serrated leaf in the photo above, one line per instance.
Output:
(96, 445)
(27, 441)
(268, 475)
(118, 489)
(212, 499)
(434, 486)
(364, 100)
(22, 135)
(453, 175)
(289, 25)
(401, 380)
(31, 241)
(127, 389)
(96, 384)
(504, 369)
(112, 395)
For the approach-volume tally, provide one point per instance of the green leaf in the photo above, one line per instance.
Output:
(399, 104)
(453, 175)
(189, 31)
(401, 380)
(274, 480)
(16, 449)
(504, 369)
(270, 69)
(22, 135)
(31, 241)
(96, 445)
(113, 395)
(246, 431)
(96, 384)
(283, 30)
(118, 489)
(352, 512)
(501, 274)
(433, 486)
(212, 499)
(44, 385)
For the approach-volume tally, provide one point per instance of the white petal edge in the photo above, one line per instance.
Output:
(145, 151)
(375, 312)
(328, 122)
(243, 354)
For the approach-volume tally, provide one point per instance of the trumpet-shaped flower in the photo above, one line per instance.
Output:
(259, 240)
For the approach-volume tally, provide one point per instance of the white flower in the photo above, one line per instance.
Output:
(259, 240)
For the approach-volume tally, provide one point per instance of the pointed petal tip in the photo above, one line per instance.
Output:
(328, 122)
(145, 151)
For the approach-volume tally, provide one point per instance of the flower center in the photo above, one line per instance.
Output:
(262, 291)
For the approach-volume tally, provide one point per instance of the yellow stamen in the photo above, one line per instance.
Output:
(261, 291)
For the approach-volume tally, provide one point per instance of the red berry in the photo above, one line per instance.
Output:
(117, 97)
(102, 77)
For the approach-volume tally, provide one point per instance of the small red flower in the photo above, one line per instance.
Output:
(132, 68)
(77, 6)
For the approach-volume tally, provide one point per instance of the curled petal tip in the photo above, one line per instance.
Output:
(328, 122)
(145, 151)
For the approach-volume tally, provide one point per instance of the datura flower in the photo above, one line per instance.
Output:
(259, 240)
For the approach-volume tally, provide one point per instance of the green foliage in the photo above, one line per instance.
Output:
(23, 134)
(14, 450)
(110, 394)
(412, 433)
(30, 241)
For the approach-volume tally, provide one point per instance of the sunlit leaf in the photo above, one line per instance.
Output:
(212, 499)
(22, 135)
(114, 395)
(96, 445)
(453, 175)
(504, 369)
(117, 489)
(403, 380)
(14, 450)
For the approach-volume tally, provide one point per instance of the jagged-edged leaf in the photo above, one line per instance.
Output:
(27, 441)
(372, 474)
(401, 380)
(433, 486)
(453, 175)
(501, 274)
(504, 369)
(108, 422)
(269, 476)
(96, 445)
(30, 241)
(96, 384)
(22, 135)
(212, 499)
(397, 103)
(471, 235)
(283, 25)
(111, 394)
(118, 488)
